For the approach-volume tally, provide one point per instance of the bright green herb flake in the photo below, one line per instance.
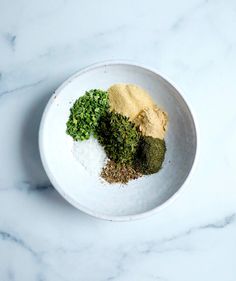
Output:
(86, 113)
(119, 137)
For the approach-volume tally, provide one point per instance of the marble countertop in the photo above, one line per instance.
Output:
(44, 238)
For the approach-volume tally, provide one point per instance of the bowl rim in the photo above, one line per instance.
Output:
(88, 210)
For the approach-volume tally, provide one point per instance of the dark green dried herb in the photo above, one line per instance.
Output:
(86, 113)
(119, 137)
(150, 155)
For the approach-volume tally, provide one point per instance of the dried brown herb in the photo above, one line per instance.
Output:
(119, 173)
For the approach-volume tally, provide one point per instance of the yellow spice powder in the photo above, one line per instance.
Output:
(152, 122)
(134, 102)
(128, 99)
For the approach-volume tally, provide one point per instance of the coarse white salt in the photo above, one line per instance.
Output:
(91, 155)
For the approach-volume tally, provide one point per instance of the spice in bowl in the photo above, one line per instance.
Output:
(150, 155)
(119, 137)
(129, 127)
(119, 173)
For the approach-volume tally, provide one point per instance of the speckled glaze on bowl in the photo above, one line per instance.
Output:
(139, 198)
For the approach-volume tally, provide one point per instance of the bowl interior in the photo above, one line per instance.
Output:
(90, 194)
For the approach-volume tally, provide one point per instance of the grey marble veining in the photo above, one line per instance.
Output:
(42, 237)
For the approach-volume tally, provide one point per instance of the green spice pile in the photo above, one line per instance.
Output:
(150, 155)
(119, 137)
(119, 173)
(86, 113)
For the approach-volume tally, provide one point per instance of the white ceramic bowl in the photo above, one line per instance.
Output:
(141, 197)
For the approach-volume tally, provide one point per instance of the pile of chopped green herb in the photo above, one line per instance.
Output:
(86, 113)
(150, 155)
(119, 137)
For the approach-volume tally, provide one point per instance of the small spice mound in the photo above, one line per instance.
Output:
(119, 173)
(128, 99)
(85, 114)
(90, 154)
(152, 122)
(119, 137)
(150, 155)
